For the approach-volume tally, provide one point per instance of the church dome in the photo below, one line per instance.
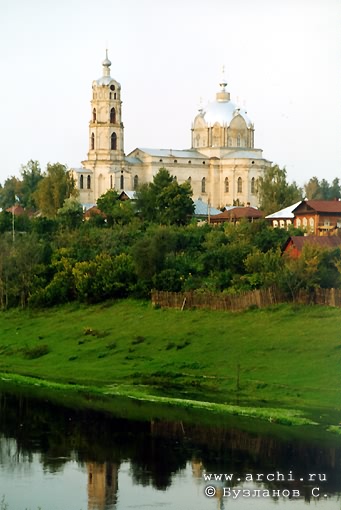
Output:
(222, 110)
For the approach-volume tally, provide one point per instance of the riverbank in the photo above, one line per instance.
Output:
(280, 364)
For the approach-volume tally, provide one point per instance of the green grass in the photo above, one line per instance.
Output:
(280, 358)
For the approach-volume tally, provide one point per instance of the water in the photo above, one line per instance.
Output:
(55, 458)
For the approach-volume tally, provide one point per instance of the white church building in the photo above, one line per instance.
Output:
(221, 165)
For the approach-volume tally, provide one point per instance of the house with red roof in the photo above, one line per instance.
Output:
(236, 214)
(295, 244)
(318, 217)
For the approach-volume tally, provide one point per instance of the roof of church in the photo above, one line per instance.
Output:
(246, 153)
(222, 110)
(170, 153)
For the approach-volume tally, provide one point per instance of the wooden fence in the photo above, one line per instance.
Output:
(261, 298)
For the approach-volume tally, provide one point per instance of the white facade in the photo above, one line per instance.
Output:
(222, 164)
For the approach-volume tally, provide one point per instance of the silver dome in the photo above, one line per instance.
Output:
(223, 112)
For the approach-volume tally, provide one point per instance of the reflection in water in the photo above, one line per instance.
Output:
(116, 459)
(102, 485)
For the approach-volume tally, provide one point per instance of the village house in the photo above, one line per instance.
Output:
(295, 244)
(318, 217)
(237, 214)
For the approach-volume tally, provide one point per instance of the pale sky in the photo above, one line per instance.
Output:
(281, 58)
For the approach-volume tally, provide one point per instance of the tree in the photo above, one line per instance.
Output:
(115, 210)
(9, 192)
(31, 176)
(56, 185)
(71, 214)
(165, 201)
(274, 192)
(322, 190)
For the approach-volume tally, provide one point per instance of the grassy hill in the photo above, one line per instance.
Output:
(283, 357)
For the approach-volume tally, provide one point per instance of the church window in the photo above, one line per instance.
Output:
(112, 87)
(94, 115)
(136, 182)
(112, 116)
(109, 95)
(227, 185)
(253, 186)
(238, 141)
(160, 160)
(115, 95)
(88, 182)
(239, 185)
(175, 160)
(113, 142)
(189, 162)
(122, 182)
(203, 185)
(111, 186)
(81, 182)
(204, 162)
(92, 141)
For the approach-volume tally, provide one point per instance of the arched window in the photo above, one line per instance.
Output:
(113, 142)
(203, 185)
(136, 182)
(88, 182)
(227, 185)
(112, 116)
(239, 185)
(238, 141)
(110, 181)
(81, 182)
(122, 182)
(94, 116)
(92, 141)
(114, 95)
(253, 188)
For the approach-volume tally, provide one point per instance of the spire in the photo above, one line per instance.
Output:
(106, 64)
(223, 96)
(223, 82)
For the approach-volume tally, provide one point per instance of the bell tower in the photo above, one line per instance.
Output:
(106, 142)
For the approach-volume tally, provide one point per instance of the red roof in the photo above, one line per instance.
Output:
(320, 206)
(237, 213)
(327, 242)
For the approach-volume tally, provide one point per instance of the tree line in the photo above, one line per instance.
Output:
(130, 248)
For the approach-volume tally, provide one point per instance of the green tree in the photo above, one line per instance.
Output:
(71, 214)
(56, 185)
(165, 201)
(322, 190)
(10, 192)
(116, 211)
(31, 176)
(274, 192)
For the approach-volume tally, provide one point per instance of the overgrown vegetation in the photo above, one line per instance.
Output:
(133, 247)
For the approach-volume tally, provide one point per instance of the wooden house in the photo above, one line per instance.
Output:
(318, 217)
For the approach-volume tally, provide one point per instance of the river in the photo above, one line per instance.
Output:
(58, 458)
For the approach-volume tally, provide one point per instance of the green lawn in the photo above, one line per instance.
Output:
(284, 357)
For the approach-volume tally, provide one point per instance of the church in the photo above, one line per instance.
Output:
(222, 164)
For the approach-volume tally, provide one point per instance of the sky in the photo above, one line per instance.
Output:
(281, 60)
